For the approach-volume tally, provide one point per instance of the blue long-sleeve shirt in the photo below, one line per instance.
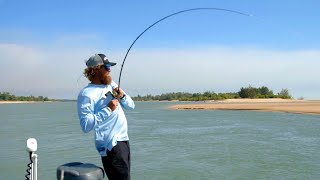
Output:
(109, 126)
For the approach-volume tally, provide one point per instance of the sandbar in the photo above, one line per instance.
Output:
(271, 105)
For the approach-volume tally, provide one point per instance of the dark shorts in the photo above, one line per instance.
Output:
(117, 162)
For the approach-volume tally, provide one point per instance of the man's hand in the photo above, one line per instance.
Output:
(119, 93)
(113, 104)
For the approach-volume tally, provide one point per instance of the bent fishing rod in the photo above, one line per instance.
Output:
(168, 16)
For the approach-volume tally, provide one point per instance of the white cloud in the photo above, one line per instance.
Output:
(222, 69)
(55, 72)
(13, 54)
(29, 70)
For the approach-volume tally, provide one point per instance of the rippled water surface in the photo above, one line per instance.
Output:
(168, 144)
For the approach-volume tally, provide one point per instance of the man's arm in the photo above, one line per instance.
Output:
(89, 119)
(126, 102)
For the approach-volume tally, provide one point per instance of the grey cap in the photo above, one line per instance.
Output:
(99, 59)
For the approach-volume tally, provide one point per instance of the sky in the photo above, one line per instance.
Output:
(44, 46)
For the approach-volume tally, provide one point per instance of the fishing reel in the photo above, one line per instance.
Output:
(114, 93)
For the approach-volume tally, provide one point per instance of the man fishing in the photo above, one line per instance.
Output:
(100, 108)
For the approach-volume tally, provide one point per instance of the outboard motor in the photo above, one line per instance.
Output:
(79, 171)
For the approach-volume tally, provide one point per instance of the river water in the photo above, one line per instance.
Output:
(168, 144)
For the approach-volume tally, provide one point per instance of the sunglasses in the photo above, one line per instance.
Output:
(108, 67)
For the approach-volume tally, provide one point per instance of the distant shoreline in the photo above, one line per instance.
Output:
(22, 102)
(270, 105)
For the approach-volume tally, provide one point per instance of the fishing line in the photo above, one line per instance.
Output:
(166, 17)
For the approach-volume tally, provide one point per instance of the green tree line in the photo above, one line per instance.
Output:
(6, 96)
(245, 92)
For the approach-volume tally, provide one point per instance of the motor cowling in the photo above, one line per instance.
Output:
(79, 171)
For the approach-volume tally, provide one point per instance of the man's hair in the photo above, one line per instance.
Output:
(90, 72)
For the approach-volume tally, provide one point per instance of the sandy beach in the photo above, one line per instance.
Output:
(272, 105)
